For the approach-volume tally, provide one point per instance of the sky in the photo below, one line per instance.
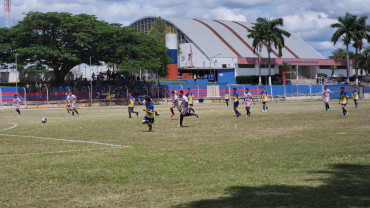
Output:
(310, 19)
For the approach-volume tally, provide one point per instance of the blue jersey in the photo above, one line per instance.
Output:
(150, 108)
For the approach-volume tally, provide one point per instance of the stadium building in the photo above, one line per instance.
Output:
(221, 48)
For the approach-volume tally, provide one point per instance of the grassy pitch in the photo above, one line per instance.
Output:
(295, 155)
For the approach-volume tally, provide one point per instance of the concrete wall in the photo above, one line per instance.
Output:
(255, 71)
(10, 77)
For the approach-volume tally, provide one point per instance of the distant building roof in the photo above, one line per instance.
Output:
(227, 38)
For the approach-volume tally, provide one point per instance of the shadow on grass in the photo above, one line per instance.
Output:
(347, 186)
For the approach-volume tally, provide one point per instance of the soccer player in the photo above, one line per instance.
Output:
(175, 103)
(184, 108)
(327, 97)
(227, 98)
(248, 101)
(68, 103)
(17, 102)
(190, 98)
(356, 96)
(264, 97)
(236, 102)
(143, 102)
(131, 106)
(73, 99)
(343, 100)
(149, 113)
(141, 99)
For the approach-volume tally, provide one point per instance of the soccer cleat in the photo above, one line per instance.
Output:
(196, 115)
(172, 115)
(150, 130)
(137, 113)
(73, 116)
(180, 126)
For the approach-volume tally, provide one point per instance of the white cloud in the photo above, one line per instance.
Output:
(309, 19)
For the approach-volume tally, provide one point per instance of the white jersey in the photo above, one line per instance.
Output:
(175, 101)
(17, 103)
(72, 98)
(248, 98)
(326, 93)
(184, 101)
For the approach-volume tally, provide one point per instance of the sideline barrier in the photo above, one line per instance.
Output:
(57, 94)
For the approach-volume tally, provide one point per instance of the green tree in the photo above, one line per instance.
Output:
(345, 28)
(141, 52)
(270, 33)
(364, 59)
(158, 30)
(362, 32)
(340, 54)
(257, 35)
(59, 41)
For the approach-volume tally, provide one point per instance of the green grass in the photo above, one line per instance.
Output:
(296, 155)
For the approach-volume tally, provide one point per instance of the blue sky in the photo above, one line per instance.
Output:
(309, 19)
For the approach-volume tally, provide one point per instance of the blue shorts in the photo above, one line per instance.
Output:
(68, 106)
(264, 102)
(130, 108)
(236, 104)
(149, 120)
(226, 99)
(343, 105)
(355, 100)
(191, 105)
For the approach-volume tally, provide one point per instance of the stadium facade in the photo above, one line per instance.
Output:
(222, 48)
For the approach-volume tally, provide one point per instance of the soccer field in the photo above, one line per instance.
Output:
(295, 155)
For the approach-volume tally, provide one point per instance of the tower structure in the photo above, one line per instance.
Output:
(7, 10)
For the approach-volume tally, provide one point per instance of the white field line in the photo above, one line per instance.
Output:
(67, 140)
(63, 140)
(14, 125)
(58, 152)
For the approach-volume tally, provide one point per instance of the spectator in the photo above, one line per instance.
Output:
(93, 76)
(108, 74)
(195, 78)
(205, 76)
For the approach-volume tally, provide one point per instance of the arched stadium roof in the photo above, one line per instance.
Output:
(227, 39)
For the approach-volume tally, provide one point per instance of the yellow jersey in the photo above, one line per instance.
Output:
(150, 108)
(343, 98)
(264, 96)
(226, 96)
(131, 102)
(236, 97)
(355, 94)
(190, 98)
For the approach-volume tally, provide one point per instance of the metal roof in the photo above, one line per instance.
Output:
(229, 39)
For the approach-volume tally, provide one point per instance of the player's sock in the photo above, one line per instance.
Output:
(267, 108)
(181, 119)
(73, 113)
(68, 111)
(264, 108)
(129, 115)
(77, 112)
(356, 104)
(193, 110)
(18, 111)
(150, 127)
(326, 106)
(344, 111)
(248, 112)
(172, 111)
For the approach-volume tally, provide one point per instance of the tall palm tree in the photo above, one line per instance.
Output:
(362, 32)
(364, 59)
(256, 33)
(270, 33)
(346, 28)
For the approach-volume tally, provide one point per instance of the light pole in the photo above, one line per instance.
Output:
(210, 64)
(16, 73)
(91, 84)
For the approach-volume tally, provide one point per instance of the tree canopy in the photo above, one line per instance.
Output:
(61, 41)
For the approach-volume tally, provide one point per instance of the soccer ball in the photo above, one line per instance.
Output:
(43, 120)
